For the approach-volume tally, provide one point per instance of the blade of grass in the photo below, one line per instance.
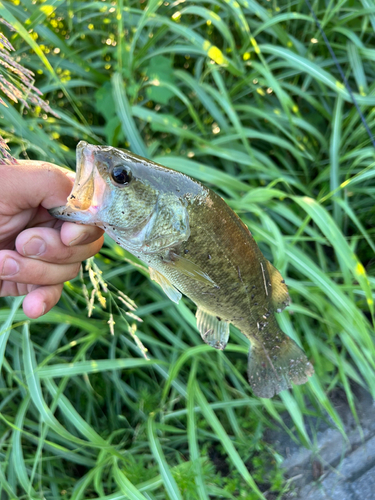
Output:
(123, 111)
(157, 451)
(92, 366)
(192, 435)
(7, 326)
(125, 485)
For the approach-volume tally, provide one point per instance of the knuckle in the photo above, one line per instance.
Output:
(74, 270)
(40, 274)
(65, 255)
(69, 253)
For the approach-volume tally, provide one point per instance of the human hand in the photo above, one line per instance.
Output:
(38, 252)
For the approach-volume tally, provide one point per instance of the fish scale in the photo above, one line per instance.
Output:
(195, 245)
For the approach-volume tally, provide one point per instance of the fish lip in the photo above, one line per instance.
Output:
(81, 145)
(69, 214)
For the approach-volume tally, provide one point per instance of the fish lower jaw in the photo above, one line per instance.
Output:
(69, 214)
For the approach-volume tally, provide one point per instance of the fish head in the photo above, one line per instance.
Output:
(140, 204)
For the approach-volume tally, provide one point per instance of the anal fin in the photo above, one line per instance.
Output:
(166, 285)
(280, 295)
(214, 331)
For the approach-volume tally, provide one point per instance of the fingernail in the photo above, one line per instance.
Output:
(79, 240)
(10, 267)
(44, 308)
(34, 247)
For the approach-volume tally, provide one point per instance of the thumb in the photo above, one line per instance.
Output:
(29, 184)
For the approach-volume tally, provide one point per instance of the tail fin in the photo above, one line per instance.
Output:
(269, 374)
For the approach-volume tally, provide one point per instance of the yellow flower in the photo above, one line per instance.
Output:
(216, 55)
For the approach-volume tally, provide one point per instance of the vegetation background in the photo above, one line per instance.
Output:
(244, 96)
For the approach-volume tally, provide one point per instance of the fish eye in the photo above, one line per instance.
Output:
(121, 175)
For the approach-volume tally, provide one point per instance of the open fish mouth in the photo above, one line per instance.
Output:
(87, 195)
(82, 193)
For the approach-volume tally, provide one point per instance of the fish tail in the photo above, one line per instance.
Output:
(271, 371)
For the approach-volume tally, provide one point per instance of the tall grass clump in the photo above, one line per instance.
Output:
(245, 97)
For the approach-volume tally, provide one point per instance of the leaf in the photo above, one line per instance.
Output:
(123, 111)
(104, 101)
(160, 69)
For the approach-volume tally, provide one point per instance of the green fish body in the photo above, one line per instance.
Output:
(195, 245)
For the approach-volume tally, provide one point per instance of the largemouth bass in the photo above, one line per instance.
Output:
(193, 244)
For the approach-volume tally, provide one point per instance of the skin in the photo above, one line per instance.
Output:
(199, 246)
(38, 253)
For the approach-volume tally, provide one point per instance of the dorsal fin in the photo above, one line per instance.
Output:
(280, 295)
(214, 331)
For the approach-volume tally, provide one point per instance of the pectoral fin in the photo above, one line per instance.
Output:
(166, 285)
(214, 331)
(280, 295)
(187, 267)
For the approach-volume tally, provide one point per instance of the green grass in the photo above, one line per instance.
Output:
(244, 97)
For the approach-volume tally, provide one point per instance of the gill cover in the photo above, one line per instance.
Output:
(167, 226)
